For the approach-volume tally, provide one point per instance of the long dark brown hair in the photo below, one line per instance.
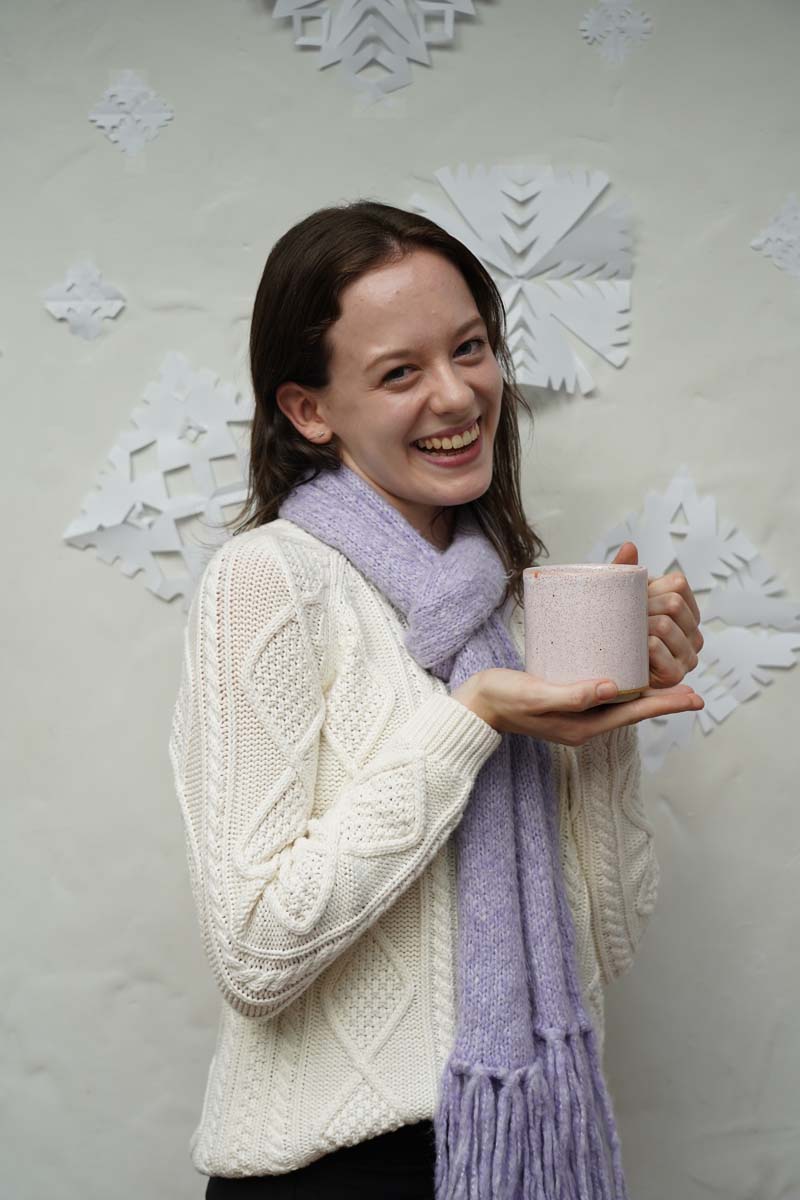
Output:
(296, 303)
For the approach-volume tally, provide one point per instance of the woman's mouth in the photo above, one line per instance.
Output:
(455, 457)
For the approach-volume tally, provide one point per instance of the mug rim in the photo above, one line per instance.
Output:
(579, 568)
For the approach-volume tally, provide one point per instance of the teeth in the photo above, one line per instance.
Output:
(455, 443)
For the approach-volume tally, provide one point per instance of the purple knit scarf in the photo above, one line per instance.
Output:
(523, 1112)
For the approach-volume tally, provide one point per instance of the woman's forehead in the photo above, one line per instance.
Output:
(391, 307)
(416, 272)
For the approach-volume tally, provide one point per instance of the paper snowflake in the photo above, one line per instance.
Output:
(164, 475)
(614, 27)
(529, 227)
(780, 241)
(681, 531)
(83, 300)
(361, 34)
(131, 113)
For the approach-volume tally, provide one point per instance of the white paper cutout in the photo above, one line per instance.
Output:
(529, 227)
(136, 517)
(780, 241)
(83, 300)
(131, 113)
(614, 27)
(741, 591)
(362, 33)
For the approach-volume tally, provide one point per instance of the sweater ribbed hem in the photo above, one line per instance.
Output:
(446, 729)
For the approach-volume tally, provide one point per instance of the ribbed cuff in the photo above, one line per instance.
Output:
(448, 730)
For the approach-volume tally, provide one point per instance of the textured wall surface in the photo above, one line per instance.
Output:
(109, 1009)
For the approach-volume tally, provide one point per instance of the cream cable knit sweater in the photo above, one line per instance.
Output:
(320, 771)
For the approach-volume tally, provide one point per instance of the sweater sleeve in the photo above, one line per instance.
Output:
(614, 842)
(280, 893)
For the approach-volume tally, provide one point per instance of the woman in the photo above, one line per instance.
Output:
(406, 1013)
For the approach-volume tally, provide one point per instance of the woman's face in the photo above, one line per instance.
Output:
(410, 358)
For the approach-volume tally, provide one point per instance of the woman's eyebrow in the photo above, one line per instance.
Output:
(478, 320)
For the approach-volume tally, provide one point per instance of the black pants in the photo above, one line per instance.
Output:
(398, 1165)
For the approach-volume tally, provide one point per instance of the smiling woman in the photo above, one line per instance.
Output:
(374, 329)
(441, 383)
(409, 915)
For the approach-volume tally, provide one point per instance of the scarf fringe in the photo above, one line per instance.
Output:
(544, 1131)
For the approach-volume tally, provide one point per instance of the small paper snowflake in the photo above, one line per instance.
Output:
(131, 114)
(83, 300)
(681, 531)
(529, 226)
(780, 241)
(361, 34)
(614, 27)
(142, 516)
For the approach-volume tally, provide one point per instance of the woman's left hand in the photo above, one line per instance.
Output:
(674, 638)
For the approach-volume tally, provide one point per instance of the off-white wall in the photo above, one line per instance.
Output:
(109, 1009)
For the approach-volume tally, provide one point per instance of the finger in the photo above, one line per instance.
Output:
(662, 664)
(630, 712)
(661, 706)
(673, 605)
(572, 697)
(658, 704)
(679, 693)
(667, 638)
(659, 692)
(674, 583)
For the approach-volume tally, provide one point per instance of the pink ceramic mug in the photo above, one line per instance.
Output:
(586, 621)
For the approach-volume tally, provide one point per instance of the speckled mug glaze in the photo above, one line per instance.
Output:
(586, 621)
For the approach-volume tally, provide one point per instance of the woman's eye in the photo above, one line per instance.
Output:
(389, 375)
(478, 342)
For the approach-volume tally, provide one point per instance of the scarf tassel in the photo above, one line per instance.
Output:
(529, 1133)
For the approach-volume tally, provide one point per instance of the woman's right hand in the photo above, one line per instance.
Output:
(569, 713)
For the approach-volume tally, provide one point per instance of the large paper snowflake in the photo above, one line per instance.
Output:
(780, 241)
(530, 228)
(130, 113)
(615, 27)
(364, 34)
(83, 300)
(681, 531)
(166, 473)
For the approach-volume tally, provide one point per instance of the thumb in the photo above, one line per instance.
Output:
(627, 555)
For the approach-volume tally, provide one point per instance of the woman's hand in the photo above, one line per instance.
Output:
(673, 619)
(570, 713)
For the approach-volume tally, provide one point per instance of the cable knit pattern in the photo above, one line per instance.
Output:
(608, 842)
(320, 772)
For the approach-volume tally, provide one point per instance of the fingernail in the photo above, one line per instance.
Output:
(605, 690)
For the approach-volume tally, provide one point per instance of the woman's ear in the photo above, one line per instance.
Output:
(300, 407)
